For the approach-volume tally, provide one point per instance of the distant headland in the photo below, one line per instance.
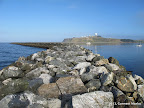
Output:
(99, 39)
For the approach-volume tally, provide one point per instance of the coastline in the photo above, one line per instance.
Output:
(74, 73)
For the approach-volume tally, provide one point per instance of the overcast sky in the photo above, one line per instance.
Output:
(54, 20)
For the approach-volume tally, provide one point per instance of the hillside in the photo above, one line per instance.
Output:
(97, 39)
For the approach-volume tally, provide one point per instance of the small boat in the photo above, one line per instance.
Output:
(88, 43)
(139, 45)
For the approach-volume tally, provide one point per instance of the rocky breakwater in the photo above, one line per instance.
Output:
(69, 77)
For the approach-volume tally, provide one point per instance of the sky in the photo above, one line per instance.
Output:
(54, 20)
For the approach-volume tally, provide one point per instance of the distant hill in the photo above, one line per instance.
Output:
(99, 39)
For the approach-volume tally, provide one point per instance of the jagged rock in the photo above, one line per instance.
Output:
(40, 60)
(71, 85)
(82, 65)
(5, 82)
(11, 72)
(50, 90)
(14, 86)
(87, 77)
(98, 70)
(23, 100)
(90, 57)
(46, 78)
(35, 83)
(112, 67)
(97, 99)
(54, 103)
(37, 72)
(78, 59)
(139, 80)
(141, 91)
(83, 70)
(125, 84)
(113, 60)
(107, 79)
(133, 81)
(93, 85)
(116, 92)
(97, 58)
(101, 62)
(26, 67)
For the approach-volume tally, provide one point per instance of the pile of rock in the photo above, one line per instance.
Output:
(69, 77)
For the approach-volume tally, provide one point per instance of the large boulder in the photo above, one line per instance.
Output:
(23, 100)
(113, 60)
(37, 72)
(97, 99)
(54, 103)
(107, 79)
(50, 90)
(14, 86)
(10, 72)
(98, 70)
(93, 85)
(87, 77)
(71, 85)
(141, 91)
(82, 65)
(112, 67)
(90, 57)
(125, 84)
(46, 78)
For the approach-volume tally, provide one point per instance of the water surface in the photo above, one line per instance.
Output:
(128, 54)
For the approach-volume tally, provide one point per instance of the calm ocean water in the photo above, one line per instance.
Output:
(129, 55)
(9, 53)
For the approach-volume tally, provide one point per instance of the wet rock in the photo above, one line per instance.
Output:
(50, 90)
(37, 72)
(125, 84)
(54, 103)
(107, 79)
(82, 65)
(71, 85)
(93, 85)
(14, 86)
(101, 62)
(112, 67)
(97, 99)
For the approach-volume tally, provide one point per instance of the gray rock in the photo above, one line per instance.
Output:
(35, 84)
(87, 77)
(90, 57)
(132, 81)
(93, 85)
(98, 70)
(46, 78)
(97, 99)
(139, 80)
(11, 72)
(82, 65)
(116, 92)
(112, 67)
(141, 91)
(14, 86)
(37, 72)
(34, 56)
(83, 70)
(48, 59)
(107, 79)
(97, 58)
(54, 103)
